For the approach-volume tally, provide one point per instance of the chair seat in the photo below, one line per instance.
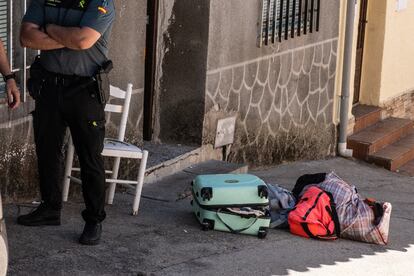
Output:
(115, 148)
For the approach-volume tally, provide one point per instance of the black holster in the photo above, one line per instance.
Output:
(36, 79)
(102, 81)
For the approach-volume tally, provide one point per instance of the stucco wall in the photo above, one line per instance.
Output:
(373, 52)
(388, 54)
(18, 179)
(283, 95)
(127, 50)
(182, 63)
(398, 60)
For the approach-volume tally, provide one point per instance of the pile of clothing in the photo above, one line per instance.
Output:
(323, 206)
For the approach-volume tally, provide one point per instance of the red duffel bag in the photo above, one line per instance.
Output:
(315, 216)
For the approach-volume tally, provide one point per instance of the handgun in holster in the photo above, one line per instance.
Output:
(102, 78)
(36, 80)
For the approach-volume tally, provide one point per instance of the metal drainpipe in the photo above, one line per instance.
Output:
(346, 80)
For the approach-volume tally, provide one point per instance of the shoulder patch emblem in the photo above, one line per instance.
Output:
(102, 10)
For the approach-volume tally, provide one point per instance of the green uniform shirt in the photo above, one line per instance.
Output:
(96, 14)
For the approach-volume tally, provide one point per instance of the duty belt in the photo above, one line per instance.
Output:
(62, 79)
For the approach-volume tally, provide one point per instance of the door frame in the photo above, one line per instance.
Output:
(363, 14)
(150, 68)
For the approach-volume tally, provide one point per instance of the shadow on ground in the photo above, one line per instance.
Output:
(165, 238)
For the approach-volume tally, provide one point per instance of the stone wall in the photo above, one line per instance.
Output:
(284, 104)
(283, 95)
(400, 107)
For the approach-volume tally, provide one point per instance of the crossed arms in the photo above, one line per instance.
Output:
(57, 37)
(51, 38)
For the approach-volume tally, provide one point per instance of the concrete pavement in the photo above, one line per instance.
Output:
(385, 263)
(165, 238)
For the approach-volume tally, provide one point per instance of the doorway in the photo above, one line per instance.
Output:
(150, 68)
(360, 49)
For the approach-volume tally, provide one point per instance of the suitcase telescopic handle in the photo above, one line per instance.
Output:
(238, 231)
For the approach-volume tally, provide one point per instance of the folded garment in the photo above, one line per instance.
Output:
(281, 202)
(247, 212)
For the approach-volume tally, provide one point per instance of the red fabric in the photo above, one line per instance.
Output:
(318, 220)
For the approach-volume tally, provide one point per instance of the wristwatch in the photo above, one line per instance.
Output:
(9, 77)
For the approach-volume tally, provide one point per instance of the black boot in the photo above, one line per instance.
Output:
(91, 234)
(43, 215)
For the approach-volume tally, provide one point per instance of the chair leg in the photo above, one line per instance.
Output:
(112, 186)
(68, 170)
(141, 175)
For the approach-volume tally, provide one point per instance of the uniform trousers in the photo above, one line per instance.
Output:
(70, 102)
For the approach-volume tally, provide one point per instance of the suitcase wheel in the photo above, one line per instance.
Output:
(262, 233)
(207, 225)
(207, 194)
(263, 192)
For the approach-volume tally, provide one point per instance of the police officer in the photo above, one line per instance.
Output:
(73, 38)
(13, 94)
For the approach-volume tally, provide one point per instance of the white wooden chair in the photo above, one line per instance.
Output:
(115, 148)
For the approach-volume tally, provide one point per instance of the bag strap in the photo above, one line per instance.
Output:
(333, 213)
(308, 232)
(305, 227)
(231, 229)
(313, 206)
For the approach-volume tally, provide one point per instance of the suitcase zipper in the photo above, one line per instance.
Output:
(214, 207)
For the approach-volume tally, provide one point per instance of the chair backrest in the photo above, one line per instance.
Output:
(123, 109)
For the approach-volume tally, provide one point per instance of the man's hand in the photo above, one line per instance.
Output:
(13, 94)
(31, 36)
(75, 38)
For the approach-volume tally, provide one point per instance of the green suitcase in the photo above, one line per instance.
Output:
(213, 194)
